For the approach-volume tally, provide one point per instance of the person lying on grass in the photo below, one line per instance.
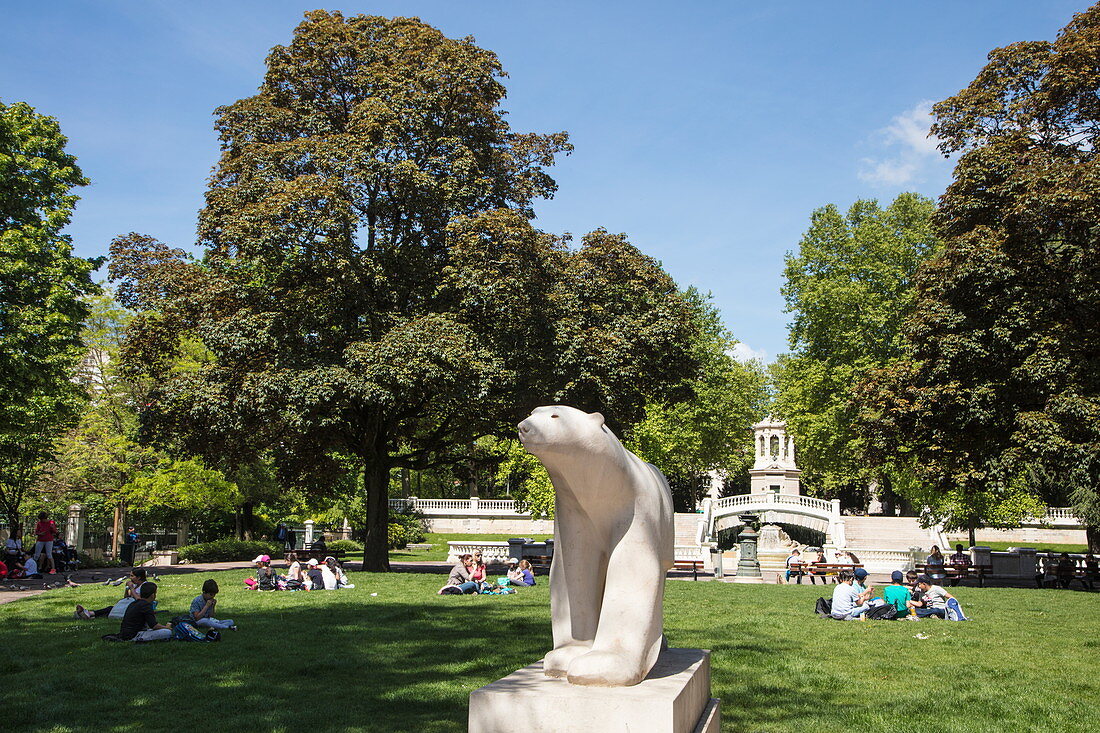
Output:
(202, 608)
(933, 600)
(137, 577)
(140, 621)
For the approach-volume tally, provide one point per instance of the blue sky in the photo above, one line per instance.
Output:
(707, 131)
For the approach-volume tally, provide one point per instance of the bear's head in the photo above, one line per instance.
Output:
(562, 430)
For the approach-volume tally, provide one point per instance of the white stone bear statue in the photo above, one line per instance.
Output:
(613, 544)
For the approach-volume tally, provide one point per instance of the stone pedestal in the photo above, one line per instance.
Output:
(673, 698)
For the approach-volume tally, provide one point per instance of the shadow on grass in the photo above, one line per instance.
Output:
(315, 662)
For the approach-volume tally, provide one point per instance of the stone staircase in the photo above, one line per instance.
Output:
(886, 533)
(687, 528)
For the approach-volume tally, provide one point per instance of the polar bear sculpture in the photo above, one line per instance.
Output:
(613, 538)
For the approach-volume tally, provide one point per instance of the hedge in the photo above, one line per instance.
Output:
(228, 550)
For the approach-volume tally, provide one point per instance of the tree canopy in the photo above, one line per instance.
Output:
(849, 288)
(999, 402)
(372, 294)
(41, 289)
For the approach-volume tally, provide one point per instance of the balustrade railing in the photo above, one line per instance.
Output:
(460, 506)
(775, 500)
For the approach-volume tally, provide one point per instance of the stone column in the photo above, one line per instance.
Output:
(309, 531)
(74, 527)
(1028, 568)
(345, 529)
(183, 532)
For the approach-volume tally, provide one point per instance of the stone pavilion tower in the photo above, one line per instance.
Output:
(774, 468)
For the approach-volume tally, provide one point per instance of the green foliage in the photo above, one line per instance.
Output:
(999, 403)
(404, 527)
(186, 485)
(530, 484)
(372, 293)
(227, 550)
(708, 431)
(41, 289)
(849, 289)
(346, 545)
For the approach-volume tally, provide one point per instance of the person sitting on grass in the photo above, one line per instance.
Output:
(528, 572)
(933, 599)
(315, 579)
(514, 575)
(794, 558)
(896, 593)
(202, 608)
(846, 605)
(140, 621)
(137, 577)
(461, 576)
(295, 570)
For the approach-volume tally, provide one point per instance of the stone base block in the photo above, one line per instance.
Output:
(673, 698)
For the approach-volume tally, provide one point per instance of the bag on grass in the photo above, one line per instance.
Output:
(823, 607)
(955, 611)
(885, 612)
(187, 631)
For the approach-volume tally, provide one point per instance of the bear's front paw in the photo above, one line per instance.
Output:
(556, 663)
(605, 669)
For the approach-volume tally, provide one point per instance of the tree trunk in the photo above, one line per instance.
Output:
(237, 524)
(246, 520)
(116, 531)
(1092, 535)
(971, 534)
(376, 483)
(404, 483)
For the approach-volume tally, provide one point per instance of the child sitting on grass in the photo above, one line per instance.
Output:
(202, 608)
(140, 621)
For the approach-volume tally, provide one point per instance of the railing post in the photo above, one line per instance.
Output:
(836, 507)
(473, 503)
(309, 531)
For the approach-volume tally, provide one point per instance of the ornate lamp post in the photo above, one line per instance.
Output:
(748, 567)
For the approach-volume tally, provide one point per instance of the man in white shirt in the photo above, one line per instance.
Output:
(846, 602)
(794, 558)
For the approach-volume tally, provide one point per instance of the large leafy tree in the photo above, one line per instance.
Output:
(848, 288)
(372, 293)
(1000, 403)
(41, 289)
(710, 430)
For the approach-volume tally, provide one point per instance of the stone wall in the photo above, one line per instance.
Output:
(1024, 536)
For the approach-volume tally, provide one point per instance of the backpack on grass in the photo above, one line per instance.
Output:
(824, 607)
(955, 611)
(885, 612)
(187, 631)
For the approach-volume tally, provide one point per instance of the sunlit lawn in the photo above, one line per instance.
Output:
(407, 659)
(1051, 546)
(439, 544)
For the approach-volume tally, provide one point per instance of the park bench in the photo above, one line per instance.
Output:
(309, 553)
(958, 572)
(830, 569)
(692, 565)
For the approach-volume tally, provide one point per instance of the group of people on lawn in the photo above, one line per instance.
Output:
(471, 575)
(137, 611)
(312, 575)
(912, 596)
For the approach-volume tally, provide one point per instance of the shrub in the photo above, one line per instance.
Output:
(98, 561)
(227, 550)
(405, 527)
(345, 546)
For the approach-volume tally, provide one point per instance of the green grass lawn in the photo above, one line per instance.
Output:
(439, 544)
(1052, 546)
(407, 659)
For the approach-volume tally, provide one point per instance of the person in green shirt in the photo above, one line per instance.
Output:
(896, 593)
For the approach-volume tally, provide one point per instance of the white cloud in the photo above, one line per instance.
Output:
(912, 147)
(743, 352)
